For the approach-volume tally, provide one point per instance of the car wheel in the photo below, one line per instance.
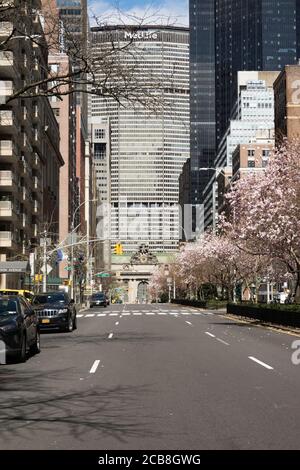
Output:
(69, 328)
(21, 355)
(36, 347)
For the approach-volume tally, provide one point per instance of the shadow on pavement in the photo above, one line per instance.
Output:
(31, 405)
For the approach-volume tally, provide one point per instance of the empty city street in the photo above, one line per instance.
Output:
(153, 377)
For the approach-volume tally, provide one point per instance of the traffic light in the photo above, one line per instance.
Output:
(118, 250)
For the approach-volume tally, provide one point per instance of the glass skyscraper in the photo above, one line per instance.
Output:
(202, 88)
(251, 35)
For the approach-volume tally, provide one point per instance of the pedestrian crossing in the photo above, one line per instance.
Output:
(135, 313)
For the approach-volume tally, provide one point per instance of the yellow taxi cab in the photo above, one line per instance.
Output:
(25, 293)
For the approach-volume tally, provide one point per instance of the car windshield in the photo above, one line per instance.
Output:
(49, 299)
(8, 307)
(98, 296)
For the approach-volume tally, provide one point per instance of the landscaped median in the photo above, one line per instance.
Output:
(278, 314)
(207, 304)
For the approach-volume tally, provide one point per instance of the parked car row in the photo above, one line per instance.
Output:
(21, 321)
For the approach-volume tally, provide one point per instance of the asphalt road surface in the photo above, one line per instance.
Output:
(154, 377)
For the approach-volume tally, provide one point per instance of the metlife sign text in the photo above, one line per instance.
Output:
(141, 35)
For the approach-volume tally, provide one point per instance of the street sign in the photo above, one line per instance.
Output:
(102, 275)
(68, 268)
(48, 269)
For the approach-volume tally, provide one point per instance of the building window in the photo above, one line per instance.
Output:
(251, 153)
(251, 163)
(99, 134)
(266, 153)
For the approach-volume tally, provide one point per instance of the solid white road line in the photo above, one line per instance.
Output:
(222, 341)
(189, 323)
(110, 335)
(260, 362)
(79, 315)
(185, 313)
(161, 313)
(94, 366)
(209, 334)
(137, 313)
(126, 313)
(113, 314)
(101, 314)
(90, 314)
(150, 313)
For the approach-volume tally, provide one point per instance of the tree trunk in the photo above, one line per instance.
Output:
(297, 286)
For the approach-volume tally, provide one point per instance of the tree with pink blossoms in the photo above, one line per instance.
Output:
(264, 216)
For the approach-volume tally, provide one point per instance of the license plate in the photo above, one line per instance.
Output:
(45, 320)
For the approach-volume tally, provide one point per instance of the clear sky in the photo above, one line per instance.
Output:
(158, 11)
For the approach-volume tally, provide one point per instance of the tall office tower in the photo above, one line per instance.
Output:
(251, 35)
(148, 149)
(74, 16)
(202, 88)
(228, 36)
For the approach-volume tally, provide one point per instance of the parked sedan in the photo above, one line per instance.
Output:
(19, 327)
(55, 310)
(98, 299)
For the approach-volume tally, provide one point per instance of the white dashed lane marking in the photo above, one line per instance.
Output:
(94, 366)
(210, 334)
(263, 364)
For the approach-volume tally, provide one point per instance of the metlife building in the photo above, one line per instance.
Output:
(148, 146)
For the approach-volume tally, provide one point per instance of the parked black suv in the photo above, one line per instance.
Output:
(19, 328)
(55, 311)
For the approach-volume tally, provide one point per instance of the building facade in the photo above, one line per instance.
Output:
(251, 35)
(287, 101)
(148, 149)
(65, 113)
(30, 158)
(228, 36)
(253, 123)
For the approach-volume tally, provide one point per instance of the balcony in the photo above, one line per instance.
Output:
(6, 28)
(6, 90)
(8, 180)
(8, 210)
(7, 66)
(8, 124)
(7, 151)
(6, 239)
